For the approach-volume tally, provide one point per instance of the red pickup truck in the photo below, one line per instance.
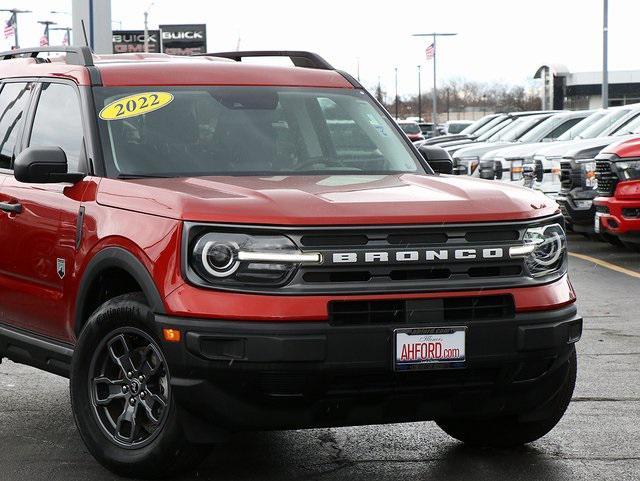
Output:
(618, 201)
(205, 245)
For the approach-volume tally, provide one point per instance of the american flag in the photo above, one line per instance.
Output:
(10, 26)
(44, 41)
(65, 39)
(430, 52)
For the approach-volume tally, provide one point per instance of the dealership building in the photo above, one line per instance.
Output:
(562, 89)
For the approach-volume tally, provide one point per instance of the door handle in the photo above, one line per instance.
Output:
(13, 208)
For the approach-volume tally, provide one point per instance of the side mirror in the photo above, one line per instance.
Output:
(437, 158)
(43, 165)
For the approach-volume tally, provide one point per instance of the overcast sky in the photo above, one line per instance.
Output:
(498, 40)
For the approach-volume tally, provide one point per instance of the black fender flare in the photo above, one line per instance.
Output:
(122, 259)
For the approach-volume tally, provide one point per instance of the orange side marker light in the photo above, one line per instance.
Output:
(171, 335)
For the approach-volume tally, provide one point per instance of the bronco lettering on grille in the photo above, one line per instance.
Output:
(415, 256)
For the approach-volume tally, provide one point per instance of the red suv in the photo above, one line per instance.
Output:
(206, 246)
(618, 201)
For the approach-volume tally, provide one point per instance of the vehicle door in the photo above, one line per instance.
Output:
(15, 97)
(38, 257)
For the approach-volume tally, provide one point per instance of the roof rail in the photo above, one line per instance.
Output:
(75, 55)
(298, 57)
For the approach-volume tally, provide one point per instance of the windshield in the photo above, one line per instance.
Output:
(492, 127)
(581, 126)
(426, 128)
(199, 131)
(604, 123)
(627, 126)
(475, 126)
(409, 128)
(456, 128)
(496, 129)
(549, 128)
(518, 128)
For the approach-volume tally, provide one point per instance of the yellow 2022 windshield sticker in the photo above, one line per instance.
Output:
(134, 105)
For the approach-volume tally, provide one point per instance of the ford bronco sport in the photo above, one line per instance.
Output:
(205, 245)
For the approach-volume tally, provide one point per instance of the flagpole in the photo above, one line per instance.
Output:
(14, 14)
(47, 24)
(434, 113)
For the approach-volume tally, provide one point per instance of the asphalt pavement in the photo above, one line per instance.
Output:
(598, 439)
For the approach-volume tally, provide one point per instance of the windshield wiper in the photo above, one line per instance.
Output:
(144, 176)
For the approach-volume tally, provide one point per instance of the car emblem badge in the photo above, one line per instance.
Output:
(60, 267)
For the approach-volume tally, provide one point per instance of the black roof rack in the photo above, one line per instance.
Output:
(75, 55)
(298, 57)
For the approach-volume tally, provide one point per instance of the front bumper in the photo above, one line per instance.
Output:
(289, 375)
(578, 209)
(619, 217)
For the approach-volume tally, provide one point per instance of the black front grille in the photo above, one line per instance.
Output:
(607, 179)
(354, 274)
(539, 171)
(565, 174)
(448, 309)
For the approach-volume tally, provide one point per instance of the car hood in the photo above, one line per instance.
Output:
(479, 149)
(559, 149)
(589, 148)
(326, 200)
(518, 151)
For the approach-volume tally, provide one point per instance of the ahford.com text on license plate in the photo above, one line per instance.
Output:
(425, 348)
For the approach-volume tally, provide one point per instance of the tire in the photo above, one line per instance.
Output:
(129, 422)
(508, 431)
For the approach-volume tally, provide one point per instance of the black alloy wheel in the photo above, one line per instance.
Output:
(129, 388)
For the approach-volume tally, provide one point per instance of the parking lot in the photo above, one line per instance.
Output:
(597, 439)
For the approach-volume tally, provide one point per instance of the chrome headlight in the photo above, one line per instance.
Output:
(516, 170)
(544, 250)
(628, 169)
(229, 259)
(530, 173)
(589, 173)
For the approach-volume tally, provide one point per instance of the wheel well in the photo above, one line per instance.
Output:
(109, 283)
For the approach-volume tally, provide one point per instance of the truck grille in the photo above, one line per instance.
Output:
(565, 174)
(449, 309)
(538, 171)
(357, 276)
(571, 175)
(607, 179)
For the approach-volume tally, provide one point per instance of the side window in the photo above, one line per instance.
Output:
(58, 122)
(13, 102)
(562, 128)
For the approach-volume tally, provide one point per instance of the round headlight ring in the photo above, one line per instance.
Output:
(227, 256)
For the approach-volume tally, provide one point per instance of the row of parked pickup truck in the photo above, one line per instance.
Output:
(588, 161)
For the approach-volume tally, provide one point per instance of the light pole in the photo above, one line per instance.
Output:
(605, 60)
(396, 93)
(419, 96)
(14, 13)
(146, 28)
(435, 88)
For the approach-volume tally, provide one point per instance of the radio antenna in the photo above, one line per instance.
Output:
(84, 32)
